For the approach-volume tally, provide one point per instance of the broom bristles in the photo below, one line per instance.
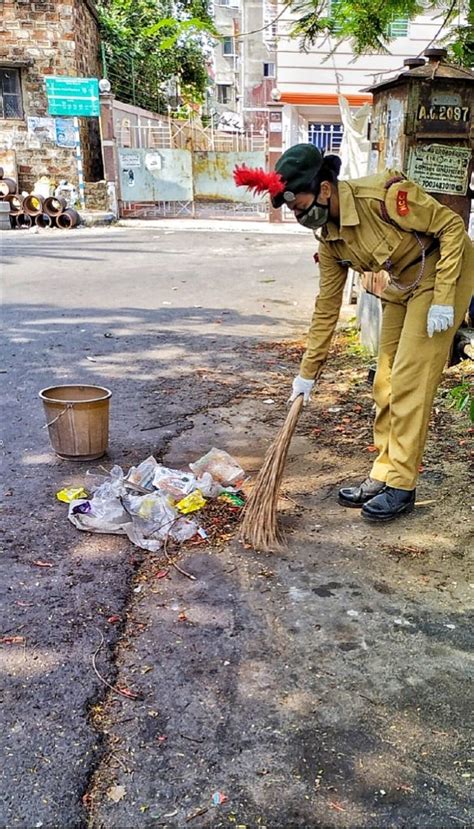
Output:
(260, 522)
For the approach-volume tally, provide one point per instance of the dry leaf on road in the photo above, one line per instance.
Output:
(116, 793)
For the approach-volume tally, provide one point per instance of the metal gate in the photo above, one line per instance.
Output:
(172, 169)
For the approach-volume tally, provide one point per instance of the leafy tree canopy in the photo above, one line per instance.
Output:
(156, 49)
(367, 23)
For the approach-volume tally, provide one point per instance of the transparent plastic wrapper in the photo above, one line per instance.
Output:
(222, 466)
(152, 512)
(208, 486)
(173, 482)
(184, 529)
(143, 474)
(105, 515)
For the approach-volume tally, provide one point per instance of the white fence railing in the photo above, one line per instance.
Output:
(326, 137)
(185, 135)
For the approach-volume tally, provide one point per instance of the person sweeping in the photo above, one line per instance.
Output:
(380, 222)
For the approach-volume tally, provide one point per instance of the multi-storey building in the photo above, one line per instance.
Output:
(257, 59)
(244, 62)
(309, 83)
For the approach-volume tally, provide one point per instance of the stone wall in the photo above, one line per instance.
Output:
(96, 195)
(48, 37)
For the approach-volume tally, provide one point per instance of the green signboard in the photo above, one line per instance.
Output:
(72, 96)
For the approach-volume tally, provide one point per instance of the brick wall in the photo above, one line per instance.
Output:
(48, 37)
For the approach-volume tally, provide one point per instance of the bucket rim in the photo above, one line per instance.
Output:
(42, 393)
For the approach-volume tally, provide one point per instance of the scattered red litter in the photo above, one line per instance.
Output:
(336, 806)
(182, 617)
(371, 448)
(162, 738)
(12, 640)
(39, 563)
(126, 692)
(161, 574)
(421, 469)
(114, 619)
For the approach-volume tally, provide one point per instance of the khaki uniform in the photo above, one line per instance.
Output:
(383, 225)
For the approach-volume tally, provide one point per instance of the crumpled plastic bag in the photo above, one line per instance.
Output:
(184, 529)
(174, 482)
(105, 516)
(143, 473)
(208, 486)
(222, 466)
(154, 512)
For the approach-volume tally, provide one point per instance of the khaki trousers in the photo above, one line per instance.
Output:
(409, 369)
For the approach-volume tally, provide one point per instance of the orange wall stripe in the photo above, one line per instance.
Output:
(324, 98)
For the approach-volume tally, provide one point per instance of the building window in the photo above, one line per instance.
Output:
(224, 93)
(228, 47)
(326, 137)
(10, 93)
(398, 27)
(268, 70)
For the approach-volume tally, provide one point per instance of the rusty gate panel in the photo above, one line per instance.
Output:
(212, 173)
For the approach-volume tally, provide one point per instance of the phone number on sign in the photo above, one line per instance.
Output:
(441, 112)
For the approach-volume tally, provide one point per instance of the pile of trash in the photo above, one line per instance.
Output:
(151, 503)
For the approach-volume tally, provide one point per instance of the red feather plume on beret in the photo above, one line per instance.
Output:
(258, 180)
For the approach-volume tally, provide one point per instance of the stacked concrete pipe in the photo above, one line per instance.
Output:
(23, 212)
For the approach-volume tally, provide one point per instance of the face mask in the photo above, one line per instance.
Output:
(315, 216)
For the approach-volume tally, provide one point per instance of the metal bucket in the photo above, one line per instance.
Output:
(77, 418)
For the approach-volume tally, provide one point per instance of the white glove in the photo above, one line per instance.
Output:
(440, 318)
(301, 386)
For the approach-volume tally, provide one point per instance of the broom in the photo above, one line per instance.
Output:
(260, 523)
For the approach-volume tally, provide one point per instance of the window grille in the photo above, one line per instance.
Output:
(10, 93)
(326, 137)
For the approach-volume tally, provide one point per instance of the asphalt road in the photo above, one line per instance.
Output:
(327, 686)
(138, 311)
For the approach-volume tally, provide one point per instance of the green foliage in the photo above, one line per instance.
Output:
(155, 46)
(366, 23)
(460, 398)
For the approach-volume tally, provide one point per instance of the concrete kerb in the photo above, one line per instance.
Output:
(216, 226)
(97, 218)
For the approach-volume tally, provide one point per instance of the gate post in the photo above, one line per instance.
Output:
(275, 147)
(109, 151)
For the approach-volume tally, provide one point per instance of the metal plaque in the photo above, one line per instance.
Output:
(439, 168)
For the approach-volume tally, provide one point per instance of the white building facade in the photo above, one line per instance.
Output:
(309, 83)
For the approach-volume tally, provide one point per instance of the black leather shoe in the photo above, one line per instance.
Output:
(355, 496)
(389, 504)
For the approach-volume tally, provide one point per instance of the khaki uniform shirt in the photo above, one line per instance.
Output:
(366, 240)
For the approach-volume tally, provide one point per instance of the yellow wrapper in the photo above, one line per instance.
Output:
(191, 503)
(71, 494)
